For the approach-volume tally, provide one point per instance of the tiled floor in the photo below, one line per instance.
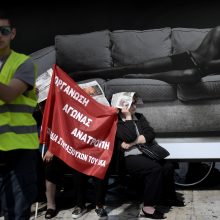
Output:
(202, 203)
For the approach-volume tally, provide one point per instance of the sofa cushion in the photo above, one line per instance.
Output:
(133, 46)
(187, 38)
(83, 51)
(178, 117)
(44, 59)
(208, 88)
(149, 90)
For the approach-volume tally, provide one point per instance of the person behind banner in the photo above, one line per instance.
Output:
(157, 176)
(55, 169)
(80, 139)
(18, 129)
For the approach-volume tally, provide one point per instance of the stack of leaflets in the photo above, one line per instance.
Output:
(43, 85)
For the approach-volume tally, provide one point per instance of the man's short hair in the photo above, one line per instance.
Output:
(7, 14)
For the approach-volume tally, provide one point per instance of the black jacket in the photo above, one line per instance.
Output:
(126, 132)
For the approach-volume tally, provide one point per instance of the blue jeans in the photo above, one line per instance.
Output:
(18, 185)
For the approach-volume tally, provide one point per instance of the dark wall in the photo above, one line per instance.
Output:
(37, 26)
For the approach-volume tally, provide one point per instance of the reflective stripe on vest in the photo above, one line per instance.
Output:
(16, 108)
(18, 129)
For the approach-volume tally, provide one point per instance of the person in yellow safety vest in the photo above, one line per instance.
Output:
(18, 130)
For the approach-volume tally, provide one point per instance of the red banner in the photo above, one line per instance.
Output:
(76, 128)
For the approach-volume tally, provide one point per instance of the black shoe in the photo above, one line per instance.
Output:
(101, 212)
(50, 213)
(155, 215)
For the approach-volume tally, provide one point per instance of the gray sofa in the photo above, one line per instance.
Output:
(182, 110)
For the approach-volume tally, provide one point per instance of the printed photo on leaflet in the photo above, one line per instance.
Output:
(95, 90)
(121, 99)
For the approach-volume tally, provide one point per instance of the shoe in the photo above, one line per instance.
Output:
(50, 213)
(101, 212)
(155, 215)
(78, 211)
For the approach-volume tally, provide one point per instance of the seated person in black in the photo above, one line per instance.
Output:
(156, 176)
(55, 169)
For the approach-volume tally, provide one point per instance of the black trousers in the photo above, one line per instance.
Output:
(157, 177)
(81, 182)
(18, 183)
(55, 170)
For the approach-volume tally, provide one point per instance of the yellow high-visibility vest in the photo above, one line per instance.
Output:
(18, 128)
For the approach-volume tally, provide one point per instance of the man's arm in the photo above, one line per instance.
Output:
(23, 80)
(9, 92)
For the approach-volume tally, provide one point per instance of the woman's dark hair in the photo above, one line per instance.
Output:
(136, 96)
(7, 14)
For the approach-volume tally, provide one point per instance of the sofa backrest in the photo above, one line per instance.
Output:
(83, 51)
(187, 38)
(103, 49)
(134, 47)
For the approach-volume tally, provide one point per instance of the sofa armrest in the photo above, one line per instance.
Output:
(44, 59)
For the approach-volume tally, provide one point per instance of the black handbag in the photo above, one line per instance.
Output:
(153, 150)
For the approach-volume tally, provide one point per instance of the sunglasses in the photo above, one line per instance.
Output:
(5, 30)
